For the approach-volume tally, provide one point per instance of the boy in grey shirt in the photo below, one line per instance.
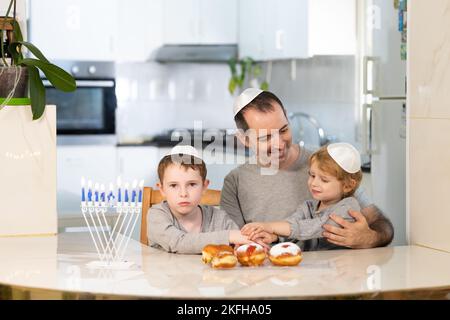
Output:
(334, 175)
(180, 224)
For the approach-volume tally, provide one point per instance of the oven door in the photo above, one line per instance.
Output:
(90, 109)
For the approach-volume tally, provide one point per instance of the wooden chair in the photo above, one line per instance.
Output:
(151, 197)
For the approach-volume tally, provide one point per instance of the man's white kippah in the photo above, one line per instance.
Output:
(346, 156)
(185, 150)
(245, 98)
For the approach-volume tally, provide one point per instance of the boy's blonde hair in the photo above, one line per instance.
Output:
(185, 161)
(327, 164)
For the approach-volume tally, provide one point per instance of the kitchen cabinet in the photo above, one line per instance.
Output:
(295, 29)
(74, 29)
(200, 21)
(95, 162)
(139, 29)
(332, 27)
(271, 29)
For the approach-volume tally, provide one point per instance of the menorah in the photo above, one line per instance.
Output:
(111, 241)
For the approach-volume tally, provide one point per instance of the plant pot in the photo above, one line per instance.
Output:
(27, 171)
(15, 80)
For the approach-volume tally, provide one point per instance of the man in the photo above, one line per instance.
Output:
(251, 193)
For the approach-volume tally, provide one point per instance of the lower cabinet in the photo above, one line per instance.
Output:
(95, 162)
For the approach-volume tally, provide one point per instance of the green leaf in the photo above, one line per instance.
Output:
(15, 51)
(17, 32)
(264, 86)
(257, 70)
(232, 85)
(57, 76)
(34, 50)
(37, 92)
(232, 64)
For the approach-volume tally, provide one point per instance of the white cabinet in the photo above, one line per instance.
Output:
(295, 29)
(200, 21)
(270, 29)
(139, 29)
(332, 27)
(95, 162)
(74, 29)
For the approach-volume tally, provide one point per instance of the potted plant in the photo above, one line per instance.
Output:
(244, 70)
(20, 74)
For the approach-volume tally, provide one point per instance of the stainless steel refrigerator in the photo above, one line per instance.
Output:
(382, 88)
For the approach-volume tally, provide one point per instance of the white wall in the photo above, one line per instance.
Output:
(428, 175)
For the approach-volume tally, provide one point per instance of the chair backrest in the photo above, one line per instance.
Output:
(151, 197)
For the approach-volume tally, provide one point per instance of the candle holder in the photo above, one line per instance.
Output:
(110, 240)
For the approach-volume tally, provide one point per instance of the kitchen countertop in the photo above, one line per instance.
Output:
(55, 267)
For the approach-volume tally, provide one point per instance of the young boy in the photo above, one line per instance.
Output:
(179, 224)
(334, 175)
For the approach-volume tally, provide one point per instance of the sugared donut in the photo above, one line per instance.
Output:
(211, 250)
(285, 254)
(251, 254)
(224, 259)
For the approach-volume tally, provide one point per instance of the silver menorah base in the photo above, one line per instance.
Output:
(110, 243)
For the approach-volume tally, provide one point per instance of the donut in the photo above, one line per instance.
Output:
(285, 254)
(251, 254)
(224, 259)
(211, 250)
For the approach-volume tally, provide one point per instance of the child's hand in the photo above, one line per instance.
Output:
(264, 237)
(252, 228)
(236, 237)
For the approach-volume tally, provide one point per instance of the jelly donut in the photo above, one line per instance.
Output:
(285, 254)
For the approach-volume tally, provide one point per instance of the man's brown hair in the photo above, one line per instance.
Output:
(264, 102)
(185, 161)
(327, 164)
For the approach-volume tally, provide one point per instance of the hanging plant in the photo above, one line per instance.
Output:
(11, 46)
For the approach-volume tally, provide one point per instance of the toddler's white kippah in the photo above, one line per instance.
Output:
(185, 150)
(244, 99)
(346, 156)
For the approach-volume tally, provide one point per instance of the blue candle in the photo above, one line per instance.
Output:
(89, 190)
(141, 185)
(126, 192)
(119, 191)
(83, 196)
(102, 195)
(133, 193)
(96, 192)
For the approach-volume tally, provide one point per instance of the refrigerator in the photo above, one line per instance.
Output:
(382, 108)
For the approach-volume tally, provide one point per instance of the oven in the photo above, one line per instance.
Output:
(91, 108)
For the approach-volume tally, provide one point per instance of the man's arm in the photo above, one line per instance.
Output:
(371, 229)
(378, 222)
(229, 201)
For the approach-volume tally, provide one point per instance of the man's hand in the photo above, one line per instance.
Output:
(356, 235)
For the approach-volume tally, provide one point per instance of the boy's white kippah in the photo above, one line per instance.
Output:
(186, 150)
(346, 156)
(245, 98)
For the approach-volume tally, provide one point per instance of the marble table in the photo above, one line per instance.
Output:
(56, 268)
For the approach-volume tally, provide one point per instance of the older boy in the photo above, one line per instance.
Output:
(180, 224)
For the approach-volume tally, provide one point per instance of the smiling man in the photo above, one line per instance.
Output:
(276, 184)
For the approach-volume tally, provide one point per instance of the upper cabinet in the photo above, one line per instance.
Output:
(332, 27)
(200, 21)
(295, 29)
(74, 30)
(110, 30)
(270, 29)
